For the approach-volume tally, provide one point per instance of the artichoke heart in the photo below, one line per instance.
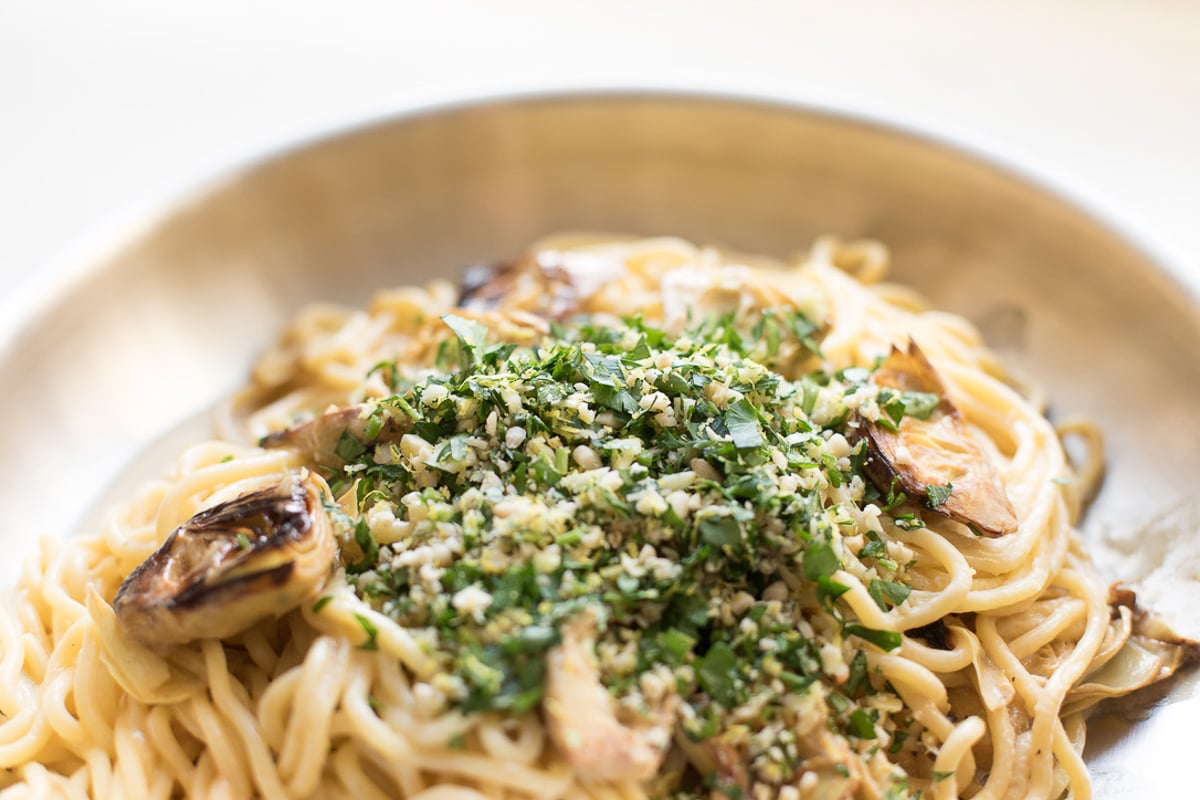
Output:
(924, 455)
(551, 283)
(1143, 651)
(328, 439)
(582, 720)
(231, 566)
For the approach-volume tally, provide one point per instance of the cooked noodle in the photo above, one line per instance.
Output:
(296, 707)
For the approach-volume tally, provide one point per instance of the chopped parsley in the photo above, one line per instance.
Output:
(887, 594)
(695, 493)
(371, 630)
(938, 495)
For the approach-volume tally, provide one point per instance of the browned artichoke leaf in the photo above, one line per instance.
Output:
(331, 439)
(553, 284)
(926, 455)
(1151, 653)
(230, 566)
(582, 719)
(1140, 663)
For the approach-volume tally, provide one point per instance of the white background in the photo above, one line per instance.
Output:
(108, 109)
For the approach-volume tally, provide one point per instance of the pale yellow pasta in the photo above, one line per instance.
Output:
(295, 708)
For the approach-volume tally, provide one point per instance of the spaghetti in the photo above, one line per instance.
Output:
(626, 519)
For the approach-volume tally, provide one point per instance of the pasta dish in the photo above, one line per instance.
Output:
(617, 519)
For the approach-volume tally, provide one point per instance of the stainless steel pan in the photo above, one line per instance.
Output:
(125, 359)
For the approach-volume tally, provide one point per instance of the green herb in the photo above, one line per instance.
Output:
(804, 330)
(887, 594)
(860, 724)
(348, 448)
(820, 561)
(874, 548)
(920, 404)
(858, 674)
(388, 371)
(894, 498)
(893, 408)
(742, 421)
(369, 547)
(938, 494)
(486, 681)
(839, 703)
(796, 683)
(832, 471)
(909, 522)
(374, 425)
(321, 603)
(405, 406)
(720, 531)
(768, 330)
(243, 541)
(470, 334)
(830, 589)
(717, 674)
(677, 644)
(884, 640)
(370, 629)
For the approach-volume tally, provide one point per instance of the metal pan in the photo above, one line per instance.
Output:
(123, 361)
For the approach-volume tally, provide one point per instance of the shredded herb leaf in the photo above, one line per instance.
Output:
(938, 495)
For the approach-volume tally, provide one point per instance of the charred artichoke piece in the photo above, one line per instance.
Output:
(825, 755)
(230, 566)
(935, 459)
(329, 440)
(553, 284)
(484, 286)
(1151, 653)
(581, 718)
